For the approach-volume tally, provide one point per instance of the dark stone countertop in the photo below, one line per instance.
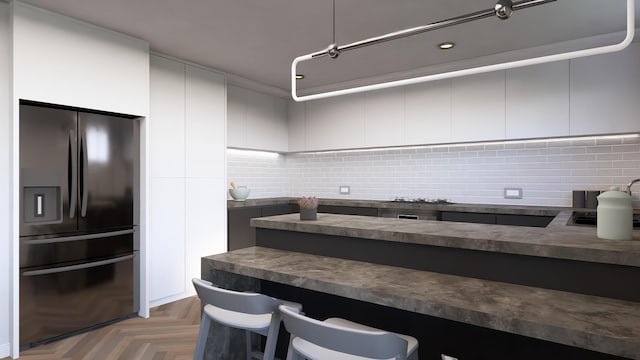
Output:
(381, 204)
(589, 322)
(557, 240)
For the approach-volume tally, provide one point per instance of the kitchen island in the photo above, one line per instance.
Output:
(418, 299)
(473, 291)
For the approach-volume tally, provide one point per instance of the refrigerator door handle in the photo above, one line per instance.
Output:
(85, 176)
(77, 267)
(78, 237)
(73, 188)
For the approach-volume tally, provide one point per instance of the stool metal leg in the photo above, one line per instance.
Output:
(272, 337)
(205, 325)
(247, 336)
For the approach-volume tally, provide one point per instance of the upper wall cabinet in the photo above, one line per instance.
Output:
(428, 113)
(267, 122)
(236, 117)
(605, 93)
(538, 101)
(256, 120)
(477, 105)
(336, 123)
(64, 61)
(167, 145)
(205, 123)
(296, 119)
(384, 117)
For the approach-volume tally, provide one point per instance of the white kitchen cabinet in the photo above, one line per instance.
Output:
(236, 117)
(296, 124)
(6, 135)
(188, 173)
(428, 113)
(205, 113)
(167, 131)
(537, 101)
(266, 122)
(384, 117)
(205, 210)
(478, 107)
(336, 123)
(60, 60)
(167, 238)
(605, 93)
(256, 121)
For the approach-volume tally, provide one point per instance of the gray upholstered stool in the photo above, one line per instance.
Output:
(251, 312)
(338, 339)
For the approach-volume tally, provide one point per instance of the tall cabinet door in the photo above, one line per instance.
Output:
(105, 172)
(47, 168)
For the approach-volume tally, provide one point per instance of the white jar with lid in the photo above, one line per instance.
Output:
(615, 215)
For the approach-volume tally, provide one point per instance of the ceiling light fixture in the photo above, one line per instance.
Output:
(299, 76)
(446, 45)
(503, 10)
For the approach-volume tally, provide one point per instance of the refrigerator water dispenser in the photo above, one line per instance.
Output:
(41, 204)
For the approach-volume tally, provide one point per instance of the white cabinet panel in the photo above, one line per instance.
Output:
(166, 129)
(236, 117)
(605, 91)
(384, 117)
(5, 169)
(167, 238)
(296, 119)
(206, 219)
(478, 107)
(335, 123)
(266, 122)
(538, 101)
(205, 123)
(61, 60)
(428, 113)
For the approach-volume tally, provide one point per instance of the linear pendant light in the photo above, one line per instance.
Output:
(502, 10)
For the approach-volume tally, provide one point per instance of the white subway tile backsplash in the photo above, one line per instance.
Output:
(546, 171)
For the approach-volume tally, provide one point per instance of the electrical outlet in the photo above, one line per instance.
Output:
(513, 193)
(345, 190)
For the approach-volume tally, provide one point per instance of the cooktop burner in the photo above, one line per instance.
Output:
(423, 201)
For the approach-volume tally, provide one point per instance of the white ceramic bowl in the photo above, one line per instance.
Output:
(240, 193)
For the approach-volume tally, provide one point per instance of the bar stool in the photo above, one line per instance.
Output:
(338, 339)
(241, 310)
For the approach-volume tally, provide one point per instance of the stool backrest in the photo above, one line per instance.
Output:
(245, 302)
(371, 344)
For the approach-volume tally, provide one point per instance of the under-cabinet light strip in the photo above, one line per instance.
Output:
(252, 153)
(476, 70)
(502, 142)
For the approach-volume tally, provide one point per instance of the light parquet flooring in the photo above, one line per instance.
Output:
(170, 333)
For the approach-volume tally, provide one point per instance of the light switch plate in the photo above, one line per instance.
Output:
(345, 190)
(513, 193)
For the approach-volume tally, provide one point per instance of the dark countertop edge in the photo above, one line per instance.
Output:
(550, 250)
(382, 204)
(507, 324)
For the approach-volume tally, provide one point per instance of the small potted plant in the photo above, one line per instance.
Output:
(308, 208)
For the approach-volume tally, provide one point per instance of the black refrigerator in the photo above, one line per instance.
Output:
(76, 221)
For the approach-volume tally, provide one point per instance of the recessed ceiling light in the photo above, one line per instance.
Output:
(299, 76)
(446, 45)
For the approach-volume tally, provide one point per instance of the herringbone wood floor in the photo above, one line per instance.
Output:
(170, 333)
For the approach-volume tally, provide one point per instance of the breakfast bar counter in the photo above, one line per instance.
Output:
(603, 325)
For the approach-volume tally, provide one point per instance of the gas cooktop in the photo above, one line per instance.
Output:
(422, 201)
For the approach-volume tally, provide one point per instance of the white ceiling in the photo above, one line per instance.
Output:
(258, 39)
